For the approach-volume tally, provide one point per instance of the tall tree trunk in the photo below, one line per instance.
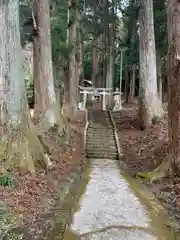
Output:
(132, 83)
(160, 85)
(45, 96)
(174, 81)
(81, 57)
(159, 77)
(95, 63)
(150, 104)
(126, 84)
(19, 143)
(72, 68)
(108, 46)
(104, 58)
(100, 61)
(66, 78)
(111, 58)
(121, 71)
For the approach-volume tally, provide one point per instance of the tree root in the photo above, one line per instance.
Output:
(55, 124)
(69, 112)
(151, 176)
(21, 147)
(160, 172)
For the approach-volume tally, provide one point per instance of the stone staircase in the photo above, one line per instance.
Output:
(100, 141)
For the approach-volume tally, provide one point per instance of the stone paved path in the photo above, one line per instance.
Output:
(109, 208)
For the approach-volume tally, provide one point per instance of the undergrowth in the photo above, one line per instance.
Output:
(6, 179)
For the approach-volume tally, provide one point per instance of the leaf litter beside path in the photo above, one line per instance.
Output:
(144, 151)
(24, 200)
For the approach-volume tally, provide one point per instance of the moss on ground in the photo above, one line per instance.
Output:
(160, 172)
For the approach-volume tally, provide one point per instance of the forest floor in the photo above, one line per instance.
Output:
(24, 198)
(144, 151)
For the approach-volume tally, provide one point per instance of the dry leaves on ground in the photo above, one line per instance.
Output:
(24, 199)
(145, 150)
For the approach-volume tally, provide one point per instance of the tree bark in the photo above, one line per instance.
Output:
(174, 81)
(132, 83)
(150, 104)
(81, 57)
(95, 64)
(126, 84)
(97, 60)
(121, 71)
(19, 143)
(104, 58)
(111, 58)
(72, 68)
(160, 85)
(45, 96)
(159, 77)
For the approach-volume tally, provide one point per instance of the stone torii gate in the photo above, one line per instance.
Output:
(93, 92)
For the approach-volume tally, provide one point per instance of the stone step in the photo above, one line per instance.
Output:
(98, 148)
(100, 156)
(102, 146)
(107, 130)
(97, 118)
(90, 128)
(101, 137)
(104, 117)
(100, 129)
(101, 120)
(95, 125)
(101, 151)
(96, 130)
(96, 140)
(101, 134)
(98, 113)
